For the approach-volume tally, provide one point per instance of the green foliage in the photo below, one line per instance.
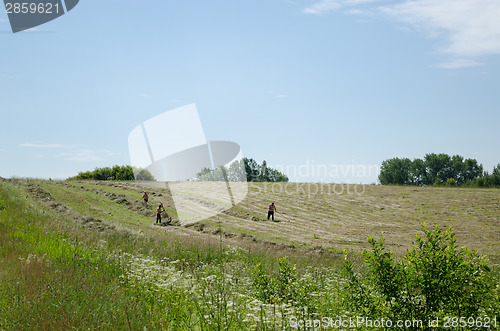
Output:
(239, 171)
(57, 274)
(264, 284)
(451, 183)
(487, 180)
(395, 171)
(262, 173)
(115, 173)
(287, 287)
(437, 182)
(281, 288)
(434, 169)
(143, 175)
(436, 278)
(220, 174)
(495, 176)
(418, 173)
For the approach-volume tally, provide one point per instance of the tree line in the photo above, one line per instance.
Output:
(116, 172)
(438, 169)
(253, 172)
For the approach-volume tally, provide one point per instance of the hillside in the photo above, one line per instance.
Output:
(316, 218)
(86, 255)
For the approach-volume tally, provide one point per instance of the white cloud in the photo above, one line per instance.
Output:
(47, 145)
(322, 7)
(80, 156)
(325, 6)
(73, 152)
(85, 155)
(465, 29)
(471, 28)
(459, 63)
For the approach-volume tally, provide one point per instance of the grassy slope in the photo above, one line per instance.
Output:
(65, 247)
(344, 220)
(73, 265)
(337, 217)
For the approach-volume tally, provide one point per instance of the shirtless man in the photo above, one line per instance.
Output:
(272, 209)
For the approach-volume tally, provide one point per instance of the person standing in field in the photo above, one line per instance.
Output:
(159, 210)
(146, 199)
(272, 209)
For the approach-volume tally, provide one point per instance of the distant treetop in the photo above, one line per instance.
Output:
(437, 169)
(125, 172)
(253, 173)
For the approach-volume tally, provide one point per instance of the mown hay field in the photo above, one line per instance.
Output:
(311, 216)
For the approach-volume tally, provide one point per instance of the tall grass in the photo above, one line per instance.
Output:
(58, 275)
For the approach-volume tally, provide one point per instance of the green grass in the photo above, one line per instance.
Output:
(59, 274)
(89, 203)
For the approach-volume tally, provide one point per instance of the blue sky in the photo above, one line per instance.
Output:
(336, 83)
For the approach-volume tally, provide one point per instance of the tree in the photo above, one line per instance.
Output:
(274, 175)
(435, 169)
(495, 176)
(395, 171)
(143, 175)
(438, 168)
(472, 170)
(263, 174)
(252, 170)
(238, 171)
(458, 166)
(418, 175)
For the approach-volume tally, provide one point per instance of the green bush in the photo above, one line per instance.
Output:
(435, 279)
(451, 182)
(437, 182)
(275, 289)
(143, 175)
(115, 173)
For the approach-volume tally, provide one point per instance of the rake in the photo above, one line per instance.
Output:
(283, 216)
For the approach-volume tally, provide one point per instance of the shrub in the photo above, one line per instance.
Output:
(279, 289)
(115, 173)
(143, 175)
(435, 279)
(451, 182)
(437, 182)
